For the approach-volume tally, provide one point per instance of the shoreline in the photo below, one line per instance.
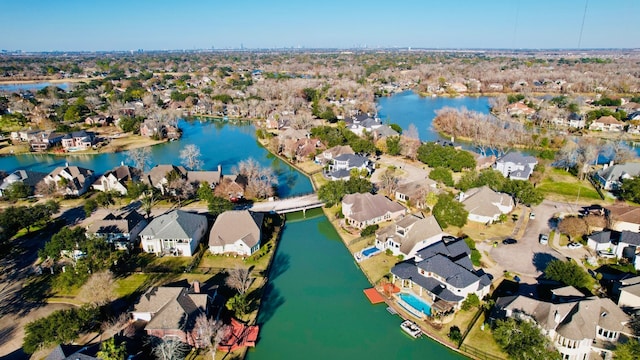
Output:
(388, 301)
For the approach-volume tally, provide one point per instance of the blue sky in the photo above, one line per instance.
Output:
(45, 25)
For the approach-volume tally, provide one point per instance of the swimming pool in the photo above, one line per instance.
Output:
(416, 303)
(370, 251)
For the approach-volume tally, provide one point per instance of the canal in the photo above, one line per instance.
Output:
(315, 308)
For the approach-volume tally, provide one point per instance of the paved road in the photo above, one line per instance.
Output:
(528, 257)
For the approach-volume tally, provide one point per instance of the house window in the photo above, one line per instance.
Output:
(150, 248)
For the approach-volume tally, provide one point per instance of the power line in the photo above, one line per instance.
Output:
(584, 16)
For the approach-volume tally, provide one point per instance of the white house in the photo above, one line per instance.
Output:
(341, 166)
(408, 235)
(516, 166)
(485, 205)
(237, 232)
(116, 179)
(611, 177)
(70, 180)
(177, 233)
(623, 244)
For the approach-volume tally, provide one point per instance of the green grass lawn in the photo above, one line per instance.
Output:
(130, 284)
(483, 339)
(570, 190)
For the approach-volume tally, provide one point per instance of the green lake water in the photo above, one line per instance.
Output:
(315, 308)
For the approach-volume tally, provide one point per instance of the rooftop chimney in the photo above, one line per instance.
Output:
(196, 287)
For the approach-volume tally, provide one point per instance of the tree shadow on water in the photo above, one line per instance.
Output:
(271, 301)
(280, 264)
(541, 260)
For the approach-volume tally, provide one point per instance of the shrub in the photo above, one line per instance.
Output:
(369, 230)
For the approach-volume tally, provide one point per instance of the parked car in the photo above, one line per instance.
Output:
(532, 216)
(574, 245)
(606, 254)
(509, 241)
(544, 239)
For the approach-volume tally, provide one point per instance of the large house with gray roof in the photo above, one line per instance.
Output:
(408, 235)
(362, 210)
(485, 205)
(341, 166)
(443, 274)
(237, 232)
(172, 311)
(516, 166)
(611, 177)
(576, 328)
(176, 233)
(116, 179)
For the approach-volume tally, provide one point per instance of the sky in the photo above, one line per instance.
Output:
(93, 25)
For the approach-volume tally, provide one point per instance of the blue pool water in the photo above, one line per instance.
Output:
(370, 251)
(416, 303)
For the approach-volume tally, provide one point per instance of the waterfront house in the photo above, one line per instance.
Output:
(231, 187)
(70, 180)
(328, 155)
(623, 217)
(177, 233)
(29, 178)
(578, 329)
(197, 178)
(519, 109)
(172, 312)
(77, 140)
(341, 166)
(443, 273)
(516, 166)
(45, 140)
(611, 176)
(74, 352)
(117, 179)
(409, 234)
(383, 132)
(153, 128)
(362, 210)
(236, 232)
(158, 177)
(485, 205)
(361, 123)
(415, 192)
(121, 230)
(607, 123)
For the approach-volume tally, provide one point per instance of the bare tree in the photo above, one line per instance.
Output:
(169, 348)
(210, 332)
(239, 279)
(46, 188)
(141, 157)
(389, 182)
(260, 180)
(618, 151)
(190, 157)
(98, 290)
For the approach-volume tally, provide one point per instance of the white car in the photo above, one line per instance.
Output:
(574, 245)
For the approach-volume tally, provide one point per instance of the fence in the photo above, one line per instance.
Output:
(478, 354)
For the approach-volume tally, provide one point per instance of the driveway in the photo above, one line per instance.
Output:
(413, 170)
(529, 257)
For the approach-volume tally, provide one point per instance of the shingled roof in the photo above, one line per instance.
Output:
(176, 224)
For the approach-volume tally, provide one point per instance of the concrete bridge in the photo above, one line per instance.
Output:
(288, 205)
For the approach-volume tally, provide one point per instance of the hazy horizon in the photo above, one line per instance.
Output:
(79, 26)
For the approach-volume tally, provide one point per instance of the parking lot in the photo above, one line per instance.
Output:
(528, 257)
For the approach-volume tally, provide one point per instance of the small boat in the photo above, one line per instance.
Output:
(411, 328)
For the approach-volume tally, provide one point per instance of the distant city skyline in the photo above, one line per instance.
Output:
(74, 25)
